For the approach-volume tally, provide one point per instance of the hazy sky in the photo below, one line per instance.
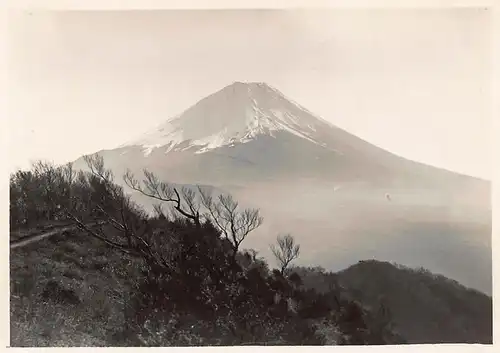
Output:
(415, 82)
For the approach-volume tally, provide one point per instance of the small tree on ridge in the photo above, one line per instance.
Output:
(286, 251)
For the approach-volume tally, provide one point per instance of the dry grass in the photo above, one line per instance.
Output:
(86, 305)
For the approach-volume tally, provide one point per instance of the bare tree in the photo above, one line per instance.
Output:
(223, 212)
(66, 180)
(46, 173)
(233, 223)
(286, 251)
(187, 206)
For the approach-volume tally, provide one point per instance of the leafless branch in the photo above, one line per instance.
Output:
(234, 224)
(87, 229)
(161, 191)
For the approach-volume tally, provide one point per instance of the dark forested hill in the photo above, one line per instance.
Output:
(424, 307)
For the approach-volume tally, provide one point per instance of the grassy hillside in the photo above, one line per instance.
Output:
(67, 290)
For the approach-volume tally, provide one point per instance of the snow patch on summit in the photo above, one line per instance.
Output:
(236, 114)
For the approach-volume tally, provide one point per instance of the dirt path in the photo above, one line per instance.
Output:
(34, 238)
(37, 237)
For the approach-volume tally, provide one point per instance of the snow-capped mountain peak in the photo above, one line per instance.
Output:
(237, 113)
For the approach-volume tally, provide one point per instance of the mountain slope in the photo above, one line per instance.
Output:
(254, 127)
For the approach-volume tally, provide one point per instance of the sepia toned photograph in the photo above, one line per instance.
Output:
(293, 177)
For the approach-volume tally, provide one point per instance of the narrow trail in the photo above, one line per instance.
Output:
(37, 237)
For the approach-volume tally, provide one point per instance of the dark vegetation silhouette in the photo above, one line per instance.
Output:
(186, 277)
(413, 296)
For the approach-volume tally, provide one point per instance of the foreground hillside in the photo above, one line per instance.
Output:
(70, 290)
(183, 277)
(67, 290)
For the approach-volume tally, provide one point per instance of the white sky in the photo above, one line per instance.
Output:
(415, 82)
